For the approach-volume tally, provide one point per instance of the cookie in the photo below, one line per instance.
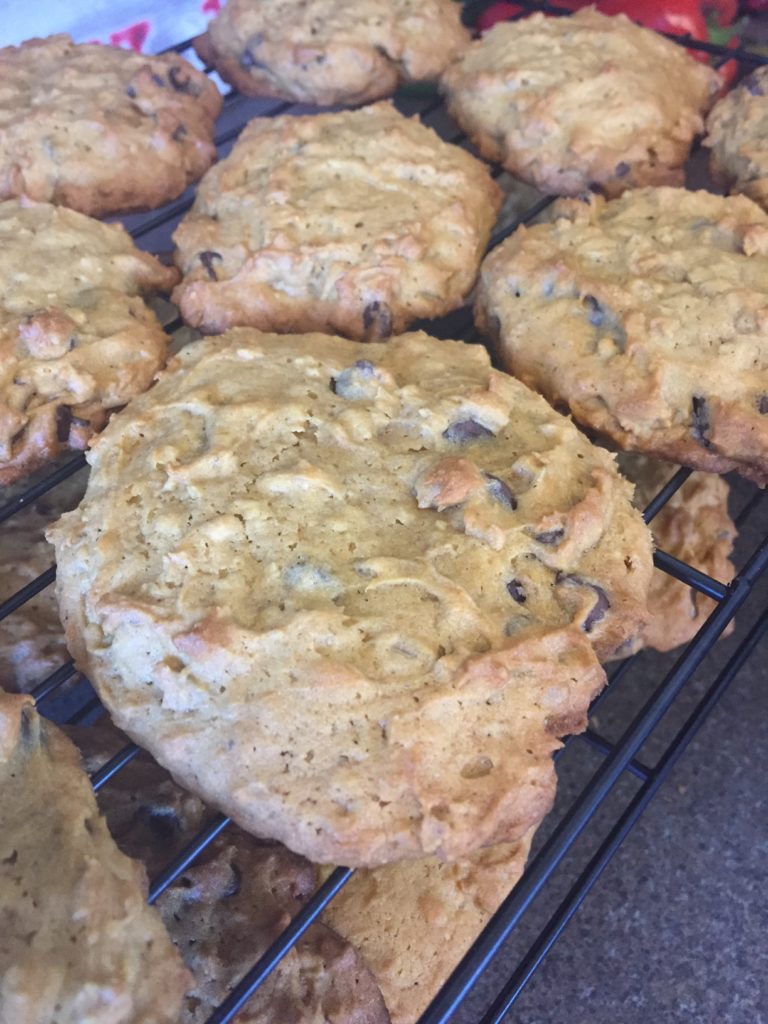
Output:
(78, 939)
(331, 51)
(696, 528)
(737, 137)
(357, 223)
(364, 581)
(581, 102)
(647, 317)
(32, 643)
(225, 910)
(414, 921)
(76, 338)
(100, 129)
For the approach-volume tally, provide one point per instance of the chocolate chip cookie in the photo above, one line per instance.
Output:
(414, 921)
(351, 594)
(76, 337)
(737, 136)
(357, 223)
(100, 129)
(581, 102)
(79, 942)
(332, 51)
(695, 527)
(647, 317)
(224, 911)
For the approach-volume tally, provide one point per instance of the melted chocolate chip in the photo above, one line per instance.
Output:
(752, 84)
(517, 591)
(622, 169)
(550, 536)
(159, 82)
(248, 57)
(500, 492)
(179, 133)
(207, 259)
(762, 405)
(63, 422)
(466, 430)
(601, 605)
(233, 886)
(130, 92)
(181, 81)
(348, 383)
(595, 311)
(607, 322)
(377, 320)
(700, 420)
(162, 821)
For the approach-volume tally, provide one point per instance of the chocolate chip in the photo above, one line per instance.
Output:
(63, 422)
(466, 430)
(762, 405)
(607, 322)
(207, 259)
(164, 822)
(622, 169)
(517, 591)
(182, 81)
(601, 605)
(377, 320)
(130, 92)
(752, 84)
(596, 312)
(159, 82)
(500, 492)
(247, 57)
(348, 383)
(550, 536)
(700, 420)
(179, 133)
(233, 886)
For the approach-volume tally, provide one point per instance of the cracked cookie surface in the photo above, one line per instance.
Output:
(351, 594)
(582, 101)
(332, 51)
(78, 941)
(647, 316)
(99, 129)
(76, 337)
(354, 223)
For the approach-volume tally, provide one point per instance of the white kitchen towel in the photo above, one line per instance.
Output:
(136, 24)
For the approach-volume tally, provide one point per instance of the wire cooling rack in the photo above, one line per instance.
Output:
(617, 760)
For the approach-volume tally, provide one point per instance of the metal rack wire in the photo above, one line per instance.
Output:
(619, 759)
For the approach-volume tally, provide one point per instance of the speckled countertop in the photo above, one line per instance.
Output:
(676, 929)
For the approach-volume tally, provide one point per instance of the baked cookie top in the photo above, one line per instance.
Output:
(570, 103)
(76, 338)
(364, 582)
(355, 222)
(414, 921)
(332, 51)
(694, 526)
(100, 129)
(78, 939)
(737, 136)
(648, 317)
(32, 641)
(225, 910)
